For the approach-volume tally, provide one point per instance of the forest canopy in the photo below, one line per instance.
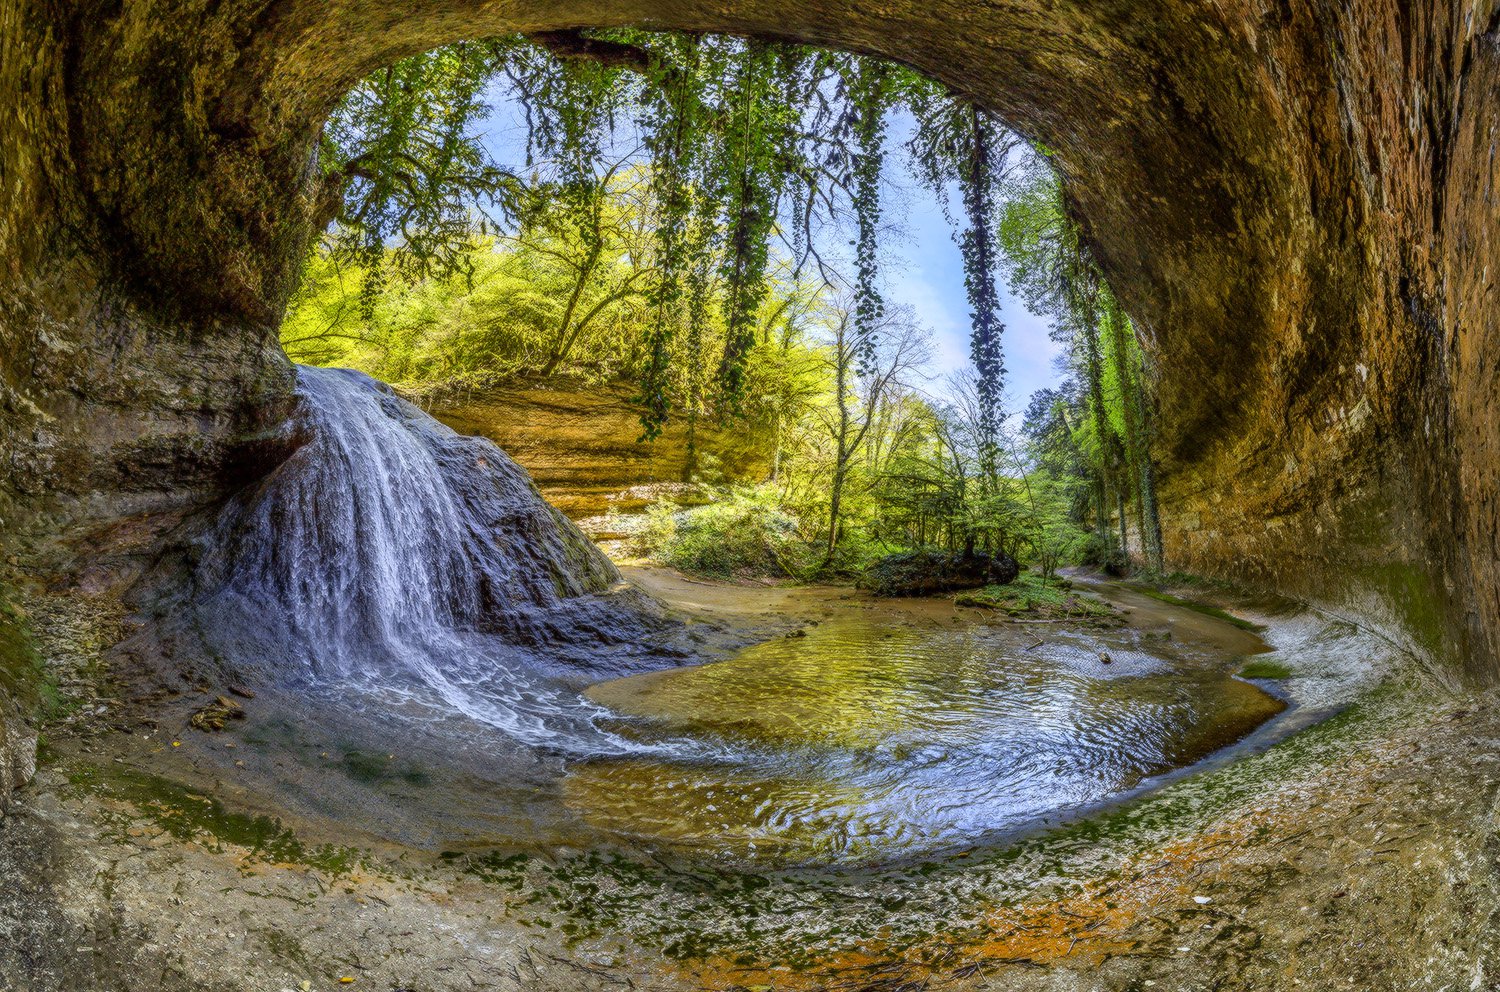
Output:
(750, 151)
(701, 216)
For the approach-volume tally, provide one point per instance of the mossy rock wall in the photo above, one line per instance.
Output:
(1293, 199)
(19, 676)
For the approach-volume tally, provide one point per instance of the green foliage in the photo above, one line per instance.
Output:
(746, 534)
(403, 166)
(867, 83)
(1096, 430)
(550, 301)
(1056, 541)
(1102, 551)
(1261, 669)
(668, 233)
(743, 141)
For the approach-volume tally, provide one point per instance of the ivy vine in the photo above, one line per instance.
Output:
(745, 142)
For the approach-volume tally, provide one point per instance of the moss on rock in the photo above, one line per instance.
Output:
(20, 683)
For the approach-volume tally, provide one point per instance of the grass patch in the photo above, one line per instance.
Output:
(1033, 597)
(1265, 670)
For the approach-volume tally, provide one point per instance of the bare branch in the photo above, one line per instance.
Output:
(575, 46)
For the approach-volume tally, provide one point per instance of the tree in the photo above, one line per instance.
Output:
(1053, 268)
(866, 368)
(598, 236)
(745, 142)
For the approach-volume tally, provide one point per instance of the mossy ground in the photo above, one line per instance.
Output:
(21, 676)
(1177, 580)
(1032, 597)
(189, 815)
(1260, 669)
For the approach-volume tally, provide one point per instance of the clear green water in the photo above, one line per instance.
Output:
(871, 740)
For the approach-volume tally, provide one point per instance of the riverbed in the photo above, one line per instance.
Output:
(1287, 852)
(883, 731)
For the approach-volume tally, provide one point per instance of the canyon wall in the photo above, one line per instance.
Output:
(582, 444)
(1294, 198)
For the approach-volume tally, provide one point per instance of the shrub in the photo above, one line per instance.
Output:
(1102, 551)
(1057, 543)
(745, 534)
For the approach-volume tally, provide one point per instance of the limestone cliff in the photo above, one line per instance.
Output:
(582, 444)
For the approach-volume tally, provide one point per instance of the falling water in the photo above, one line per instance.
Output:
(390, 557)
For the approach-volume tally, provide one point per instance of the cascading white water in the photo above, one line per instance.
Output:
(391, 556)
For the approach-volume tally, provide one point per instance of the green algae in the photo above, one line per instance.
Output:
(371, 769)
(22, 676)
(1032, 595)
(1216, 612)
(798, 917)
(189, 815)
(1262, 669)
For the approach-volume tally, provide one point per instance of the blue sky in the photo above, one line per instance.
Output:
(924, 270)
(921, 267)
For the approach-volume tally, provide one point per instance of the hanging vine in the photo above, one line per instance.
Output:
(699, 287)
(673, 142)
(867, 82)
(754, 125)
(402, 165)
(977, 246)
(742, 140)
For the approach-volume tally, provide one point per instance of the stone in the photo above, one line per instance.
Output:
(921, 573)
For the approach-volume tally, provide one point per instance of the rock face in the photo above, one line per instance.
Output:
(1294, 200)
(581, 444)
(17, 736)
(391, 558)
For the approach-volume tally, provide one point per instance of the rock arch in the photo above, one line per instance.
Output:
(1295, 199)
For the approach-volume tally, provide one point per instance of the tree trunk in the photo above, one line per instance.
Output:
(835, 510)
(1124, 534)
(1151, 519)
(564, 338)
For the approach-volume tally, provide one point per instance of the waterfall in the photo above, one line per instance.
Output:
(390, 556)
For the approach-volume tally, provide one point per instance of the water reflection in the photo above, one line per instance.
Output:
(869, 740)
